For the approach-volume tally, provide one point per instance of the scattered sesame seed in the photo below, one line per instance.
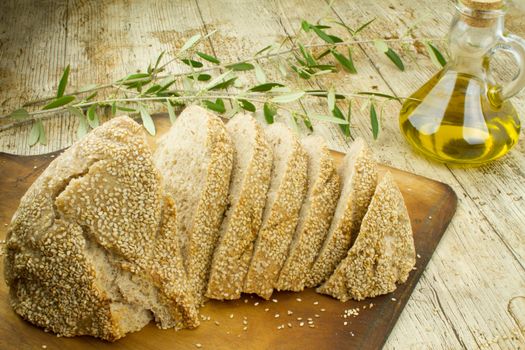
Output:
(44, 346)
(245, 328)
(301, 324)
(266, 309)
(198, 345)
(317, 316)
(345, 323)
(246, 301)
(299, 318)
(299, 299)
(316, 302)
(274, 300)
(244, 322)
(430, 217)
(256, 303)
(289, 312)
(394, 299)
(419, 256)
(371, 305)
(35, 167)
(231, 315)
(276, 315)
(310, 322)
(217, 323)
(289, 325)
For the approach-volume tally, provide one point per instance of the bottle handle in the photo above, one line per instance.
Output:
(514, 45)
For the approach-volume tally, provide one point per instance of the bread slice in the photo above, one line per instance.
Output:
(91, 250)
(383, 253)
(249, 185)
(359, 177)
(196, 159)
(281, 213)
(315, 216)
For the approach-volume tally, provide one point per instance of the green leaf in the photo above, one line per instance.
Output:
(269, 113)
(203, 77)
(208, 58)
(437, 57)
(224, 76)
(217, 106)
(379, 94)
(305, 25)
(324, 93)
(19, 114)
(147, 122)
(243, 66)
(152, 89)
(363, 26)
(142, 77)
(92, 117)
(247, 105)
(381, 46)
(63, 82)
(34, 134)
(327, 118)
(114, 108)
(190, 42)
(264, 87)
(259, 74)
(266, 48)
(308, 123)
(42, 139)
(394, 57)
(286, 98)
(303, 73)
(320, 33)
(192, 63)
(157, 63)
(126, 109)
(345, 128)
(331, 99)
(83, 128)
(91, 96)
(307, 55)
(166, 83)
(224, 84)
(59, 102)
(77, 112)
(171, 112)
(324, 53)
(374, 121)
(347, 63)
(335, 39)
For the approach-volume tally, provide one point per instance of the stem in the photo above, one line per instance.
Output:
(223, 66)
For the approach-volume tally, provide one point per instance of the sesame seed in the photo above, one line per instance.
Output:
(246, 301)
(299, 299)
(276, 315)
(289, 325)
(256, 303)
(301, 324)
(217, 323)
(231, 315)
(316, 302)
(198, 345)
(289, 312)
(244, 322)
(419, 256)
(317, 316)
(394, 299)
(311, 326)
(323, 310)
(245, 328)
(345, 323)
(299, 318)
(266, 309)
(274, 300)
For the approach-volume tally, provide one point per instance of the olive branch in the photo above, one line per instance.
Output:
(216, 82)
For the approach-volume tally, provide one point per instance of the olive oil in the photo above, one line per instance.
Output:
(458, 118)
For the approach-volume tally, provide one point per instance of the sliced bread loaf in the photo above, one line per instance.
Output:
(281, 213)
(196, 158)
(315, 216)
(383, 253)
(91, 250)
(251, 176)
(359, 177)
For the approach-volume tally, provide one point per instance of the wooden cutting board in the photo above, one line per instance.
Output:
(430, 204)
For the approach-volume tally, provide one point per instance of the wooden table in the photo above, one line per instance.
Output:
(472, 294)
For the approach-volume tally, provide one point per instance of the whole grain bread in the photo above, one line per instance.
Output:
(281, 213)
(359, 177)
(91, 249)
(383, 253)
(315, 216)
(195, 158)
(251, 176)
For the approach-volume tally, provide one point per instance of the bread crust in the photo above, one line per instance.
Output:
(343, 230)
(98, 205)
(276, 233)
(309, 236)
(383, 253)
(242, 222)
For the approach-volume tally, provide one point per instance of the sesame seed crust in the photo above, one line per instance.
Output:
(383, 253)
(275, 236)
(359, 177)
(317, 213)
(93, 214)
(202, 230)
(243, 218)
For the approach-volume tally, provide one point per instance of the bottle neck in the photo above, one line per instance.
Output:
(472, 36)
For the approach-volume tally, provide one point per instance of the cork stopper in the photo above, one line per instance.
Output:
(477, 13)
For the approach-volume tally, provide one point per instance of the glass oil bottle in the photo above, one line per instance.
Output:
(461, 115)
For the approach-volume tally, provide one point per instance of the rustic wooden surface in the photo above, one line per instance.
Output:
(430, 212)
(472, 294)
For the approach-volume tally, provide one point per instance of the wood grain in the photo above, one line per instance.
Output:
(430, 211)
(462, 298)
